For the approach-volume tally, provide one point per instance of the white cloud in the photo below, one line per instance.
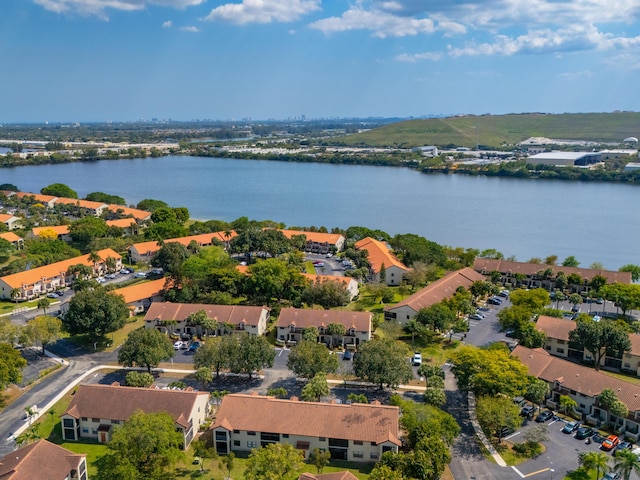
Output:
(264, 11)
(574, 75)
(100, 7)
(416, 57)
(381, 23)
(167, 24)
(190, 28)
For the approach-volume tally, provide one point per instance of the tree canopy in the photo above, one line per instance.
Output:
(276, 461)
(145, 347)
(59, 190)
(601, 338)
(309, 358)
(95, 312)
(382, 362)
(11, 365)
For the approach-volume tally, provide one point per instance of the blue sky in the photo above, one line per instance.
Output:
(98, 60)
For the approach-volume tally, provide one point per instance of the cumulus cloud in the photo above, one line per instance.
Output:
(264, 11)
(190, 28)
(100, 7)
(417, 57)
(167, 24)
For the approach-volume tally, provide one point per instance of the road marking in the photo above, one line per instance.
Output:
(518, 472)
(534, 473)
(512, 435)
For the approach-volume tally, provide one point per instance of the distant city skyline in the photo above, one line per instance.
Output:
(125, 60)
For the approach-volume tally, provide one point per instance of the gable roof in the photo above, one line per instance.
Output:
(29, 277)
(572, 376)
(305, 318)
(127, 211)
(119, 403)
(141, 291)
(203, 239)
(88, 204)
(316, 237)
(379, 254)
(234, 314)
(10, 237)
(36, 196)
(121, 222)
(439, 290)
(57, 229)
(346, 281)
(488, 265)
(41, 460)
(5, 217)
(358, 421)
(346, 475)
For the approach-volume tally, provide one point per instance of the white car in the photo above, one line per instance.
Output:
(178, 345)
(416, 360)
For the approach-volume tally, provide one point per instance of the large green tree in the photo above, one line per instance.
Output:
(11, 365)
(144, 448)
(534, 299)
(59, 190)
(309, 358)
(250, 354)
(216, 353)
(438, 317)
(625, 462)
(497, 412)
(273, 280)
(601, 338)
(326, 293)
(145, 347)
(95, 312)
(598, 461)
(87, 228)
(316, 388)
(276, 461)
(43, 329)
(382, 362)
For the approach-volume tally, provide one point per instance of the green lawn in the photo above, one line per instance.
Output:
(309, 268)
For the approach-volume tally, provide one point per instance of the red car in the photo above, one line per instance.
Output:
(610, 443)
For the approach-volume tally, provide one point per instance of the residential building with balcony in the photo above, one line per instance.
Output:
(292, 323)
(43, 460)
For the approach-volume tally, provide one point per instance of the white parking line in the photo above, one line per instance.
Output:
(512, 435)
(518, 472)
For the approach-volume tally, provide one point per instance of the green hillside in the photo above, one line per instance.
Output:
(495, 130)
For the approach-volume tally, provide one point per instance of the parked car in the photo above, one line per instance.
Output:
(194, 347)
(60, 293)
(494, 301)
(140, 275)
(347, 355)
(476, 316)
(611, 476)
(177, 345)
(544, 416)
(52, 295)
(504, 293)
(571, 427)
(610, 442)
(527, 410)
(623, 446)
(505, 431)
(510, 333)
(416, 360)
(110, 276)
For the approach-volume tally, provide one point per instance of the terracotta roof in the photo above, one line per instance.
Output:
(305, 318)
(234, 314)
(572, 376)
(358, 421)
(133, 212)
(5, 217)
(28, 277)
(557, 328)
(328, 278)
(140, 291)
(317, 237)
(122, 222)
(378, 253)
(57, 229)
(41, 460)
(119, 403)
(10, 237)
(146, 248)
(440, 290)
(36, 196)
(487, 265)
(89, 204)
(328, 476)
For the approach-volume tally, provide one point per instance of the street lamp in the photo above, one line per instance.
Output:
(551, 470)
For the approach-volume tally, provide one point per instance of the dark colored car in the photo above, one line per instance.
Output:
(584, 432)
(347, 355)
(494, 301)
(194, 347)
(510, 333)
(623, 446)
(571, 427)
(527, 410)
(544, 416)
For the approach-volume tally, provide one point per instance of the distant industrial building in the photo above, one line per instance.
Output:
(565, 159)
(621, 154)
(631, 166)
(427, 151)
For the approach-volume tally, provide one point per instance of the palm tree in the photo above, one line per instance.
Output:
(598, 461)
(44, 303)
(95, 258)
(626, 462)
(15, 294)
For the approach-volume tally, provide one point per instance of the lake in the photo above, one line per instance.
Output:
(526, 218)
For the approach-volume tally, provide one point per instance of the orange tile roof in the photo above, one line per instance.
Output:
(488, 265)
(358, 421)
(346, 475)
(5, 217)
(122, 222)
(10, 237)
(42, 460)
(57, 229)
(88, 204)
(317, 237)
(234, 314)
(127, 211)
(141, 291)
(147, 248)
(29, 277)
(305, 318)
(328, 278)
(36, 196)
(440, 290)
(572, 376)
(379, 254)
(119, 403)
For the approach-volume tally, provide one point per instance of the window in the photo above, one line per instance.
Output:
(85, 430)
(252, 444)
(94, 431)
(84, 419)
(68, 423)
(270, 437)
(285, 435)
(373, 456)
(358, 442)
(236, 431)
(95, 420)
(253, 434)
(560, 350)
(560, 342)
(548, 347)
(236, 443)
(374, 444)
(322, 439)
(115, 422)
(358, 454)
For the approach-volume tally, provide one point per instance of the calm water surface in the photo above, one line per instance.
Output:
(592, 221)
